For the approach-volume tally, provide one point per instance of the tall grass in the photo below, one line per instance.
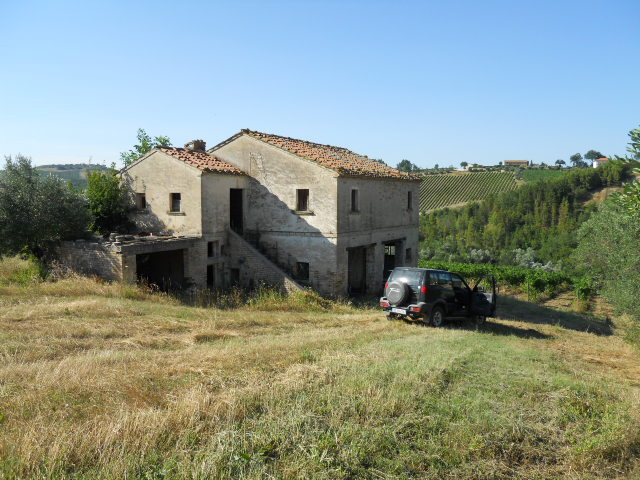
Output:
(267, 299)
(104, 381)
(21, 270)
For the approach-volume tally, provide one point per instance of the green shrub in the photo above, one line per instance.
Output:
(21, 270)
(537, 280)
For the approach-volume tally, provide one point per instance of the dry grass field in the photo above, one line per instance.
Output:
(103, 381)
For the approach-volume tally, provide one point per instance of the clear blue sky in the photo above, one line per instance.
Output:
(435, 81)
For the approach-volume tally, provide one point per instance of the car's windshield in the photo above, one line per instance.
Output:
(410, 277)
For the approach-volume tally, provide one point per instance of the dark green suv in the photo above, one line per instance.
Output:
(433, 295)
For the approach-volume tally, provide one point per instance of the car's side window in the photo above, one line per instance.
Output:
(457, 281)
(444, 278)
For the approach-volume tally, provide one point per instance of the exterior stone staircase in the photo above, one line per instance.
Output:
(259, 268)
(253, 238)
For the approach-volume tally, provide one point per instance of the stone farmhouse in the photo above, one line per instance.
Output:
(261, 208)
(516, 163)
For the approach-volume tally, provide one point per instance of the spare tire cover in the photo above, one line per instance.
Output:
(396, 292)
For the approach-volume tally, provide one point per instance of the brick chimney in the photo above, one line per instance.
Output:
(196, 146)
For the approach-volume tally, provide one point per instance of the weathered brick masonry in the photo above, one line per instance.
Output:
(91, 258)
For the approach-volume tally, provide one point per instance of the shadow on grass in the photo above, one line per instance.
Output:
(489, 327)
(510, 308)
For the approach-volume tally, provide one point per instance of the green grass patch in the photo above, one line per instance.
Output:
(530, 175)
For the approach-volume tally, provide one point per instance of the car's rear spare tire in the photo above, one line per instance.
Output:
(396, 293)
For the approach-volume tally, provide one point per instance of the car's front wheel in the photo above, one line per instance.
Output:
(436, 318)
(480, 319)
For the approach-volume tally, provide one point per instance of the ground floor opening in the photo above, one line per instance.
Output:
(165, 270)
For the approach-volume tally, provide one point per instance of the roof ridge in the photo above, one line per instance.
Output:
(249, 131)
(201, 160)
(340, 159)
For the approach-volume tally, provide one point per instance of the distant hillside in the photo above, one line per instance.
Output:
(541, 217)
(457, 189)
(533, 175)
(76, 173)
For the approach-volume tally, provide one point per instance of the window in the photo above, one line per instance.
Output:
(176, 200)
(409, 200)
(457, 281)
(410, 277)
(390, 250)
(302, 199)
(444, 278)
(212, 249)
(302, 271)
(141, 201)
(407, 255)
(355, 201)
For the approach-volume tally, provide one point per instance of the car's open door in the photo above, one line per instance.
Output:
(484, 297)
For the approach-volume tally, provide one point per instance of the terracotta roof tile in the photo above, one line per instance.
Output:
(343, 161)
(201, 160)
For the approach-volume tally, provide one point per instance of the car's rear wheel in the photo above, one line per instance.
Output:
(436, 318)
(480, 319)
(392, 316)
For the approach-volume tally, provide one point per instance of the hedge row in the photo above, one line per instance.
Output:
(537, 280)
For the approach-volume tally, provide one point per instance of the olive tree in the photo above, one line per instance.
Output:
(36, 211)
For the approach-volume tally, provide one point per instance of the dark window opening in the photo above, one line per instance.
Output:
(302, 199)
(235, 276)
(302, 271)
(355, 207)
(212, 249)
(409, 200)
(176, 201)
(211, 276)
(407, 255)
(141, 201)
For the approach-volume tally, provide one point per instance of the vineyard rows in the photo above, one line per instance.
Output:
(439, 191)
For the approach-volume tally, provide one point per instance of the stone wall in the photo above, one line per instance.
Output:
(255, 268)
(90, 258)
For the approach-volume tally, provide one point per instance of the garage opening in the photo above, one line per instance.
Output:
(389, 259)
(165, 270)
(357, 270)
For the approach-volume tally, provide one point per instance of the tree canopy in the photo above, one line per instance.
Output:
(593, 154)
(406, 166)
(577, 160)
(608, 241)
(36, 211)
(145, 146)
(108, 201)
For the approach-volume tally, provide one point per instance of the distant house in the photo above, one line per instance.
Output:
(600, 161)
(516, 163)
